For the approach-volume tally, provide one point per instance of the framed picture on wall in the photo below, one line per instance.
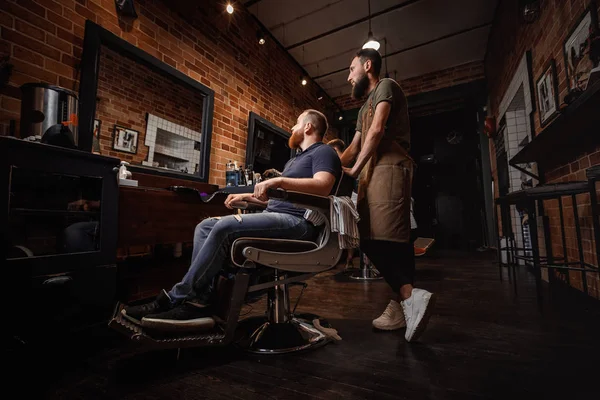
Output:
(576, 49)
(97, 126)
(547, 93)
(125, 140)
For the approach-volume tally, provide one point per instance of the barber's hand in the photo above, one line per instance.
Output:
(260, 190)
(232, 198)
(351, 172)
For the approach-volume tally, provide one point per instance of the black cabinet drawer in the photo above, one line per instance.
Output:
(69, 302)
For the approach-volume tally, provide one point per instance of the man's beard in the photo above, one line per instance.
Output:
(294, 141)
(360, 87)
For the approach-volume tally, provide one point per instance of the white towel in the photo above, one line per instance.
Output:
(344, 219)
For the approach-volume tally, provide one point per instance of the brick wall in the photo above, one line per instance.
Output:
(127, 91)
(509, 40)
(425, 83)
(45, 37)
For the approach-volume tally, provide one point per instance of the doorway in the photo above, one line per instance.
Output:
(447, 188)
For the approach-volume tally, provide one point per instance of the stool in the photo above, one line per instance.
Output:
(530, 198)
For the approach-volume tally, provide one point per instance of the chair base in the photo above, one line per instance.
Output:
(366, 274)
(259, 336)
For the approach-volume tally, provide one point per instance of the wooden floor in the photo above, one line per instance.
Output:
(483, 341)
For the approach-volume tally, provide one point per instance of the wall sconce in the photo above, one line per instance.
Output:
(260, 37)
(530, 10)
(126, 8)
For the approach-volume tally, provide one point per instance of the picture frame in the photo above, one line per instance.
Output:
(97, 128)
(576, 48)
(546, 88)
(125, 139)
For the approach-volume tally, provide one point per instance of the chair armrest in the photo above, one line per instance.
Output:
(299, 198)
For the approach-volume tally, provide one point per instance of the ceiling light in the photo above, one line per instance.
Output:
(260, 37)
(371, 42)
(304, 81)
(340, 118)
(229, 8)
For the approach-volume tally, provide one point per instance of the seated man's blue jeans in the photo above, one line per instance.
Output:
(213, 238)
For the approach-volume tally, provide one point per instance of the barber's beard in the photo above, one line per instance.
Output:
(360, 87)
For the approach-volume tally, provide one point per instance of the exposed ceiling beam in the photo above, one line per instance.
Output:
(415, 46)
(250, 3)
(350, 24)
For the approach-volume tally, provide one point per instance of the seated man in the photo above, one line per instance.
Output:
(315, 171)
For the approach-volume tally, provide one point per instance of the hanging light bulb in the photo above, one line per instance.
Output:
(304, 82)
(229, 8)
(371, 43)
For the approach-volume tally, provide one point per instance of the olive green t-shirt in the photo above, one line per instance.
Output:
(397, 126)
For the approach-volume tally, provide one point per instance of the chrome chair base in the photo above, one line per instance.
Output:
(366, 274)
(259, 336)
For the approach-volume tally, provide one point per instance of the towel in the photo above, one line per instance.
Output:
(344, 220)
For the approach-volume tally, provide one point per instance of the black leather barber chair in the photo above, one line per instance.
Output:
(260, 266)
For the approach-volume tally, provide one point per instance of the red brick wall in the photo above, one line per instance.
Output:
(509, 40)
(44, 39)
(425, 83)
(127, 91)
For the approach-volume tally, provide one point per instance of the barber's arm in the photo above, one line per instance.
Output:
(351, 151)
(320, 184)
(374, 135)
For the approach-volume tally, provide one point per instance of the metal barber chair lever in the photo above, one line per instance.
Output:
(263, 265)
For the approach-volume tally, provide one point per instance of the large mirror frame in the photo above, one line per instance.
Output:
(254, 121)
(95, 37)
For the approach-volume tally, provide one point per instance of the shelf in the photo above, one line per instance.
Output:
(574, 131)
(32, 211)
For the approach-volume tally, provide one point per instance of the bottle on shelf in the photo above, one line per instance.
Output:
(230, 174)
(242, 176)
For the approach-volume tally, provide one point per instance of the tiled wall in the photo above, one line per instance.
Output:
(162, 140)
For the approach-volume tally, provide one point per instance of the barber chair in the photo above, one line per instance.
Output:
(259, 266)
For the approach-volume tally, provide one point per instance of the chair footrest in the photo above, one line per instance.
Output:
(161, 340)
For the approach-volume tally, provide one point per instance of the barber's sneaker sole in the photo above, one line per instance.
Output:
(394, 327)
(422, 324)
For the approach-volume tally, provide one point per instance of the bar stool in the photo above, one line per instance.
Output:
(531, 199)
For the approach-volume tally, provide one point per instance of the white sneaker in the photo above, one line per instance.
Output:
(417, 310)
(391, 319)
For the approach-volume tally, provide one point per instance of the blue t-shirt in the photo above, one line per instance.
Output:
(317, 158)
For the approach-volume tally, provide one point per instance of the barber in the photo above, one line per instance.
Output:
(384, 168)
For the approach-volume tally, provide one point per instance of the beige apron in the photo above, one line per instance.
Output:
(384, 189)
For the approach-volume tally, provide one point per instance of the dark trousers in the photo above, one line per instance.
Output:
(395, 261)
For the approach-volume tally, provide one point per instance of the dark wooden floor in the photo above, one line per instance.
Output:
(483, 341)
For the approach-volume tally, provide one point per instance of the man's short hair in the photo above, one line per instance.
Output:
(337, 144)
(374, 56)
(318, 121)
